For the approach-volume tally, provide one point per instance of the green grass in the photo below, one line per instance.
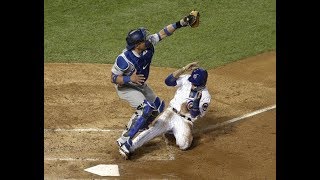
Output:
(94, 31)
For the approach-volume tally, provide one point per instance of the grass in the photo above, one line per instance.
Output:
(94, 31)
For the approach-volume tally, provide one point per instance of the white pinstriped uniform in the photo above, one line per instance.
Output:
(171, 121)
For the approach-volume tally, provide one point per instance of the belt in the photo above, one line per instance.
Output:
(184, 116)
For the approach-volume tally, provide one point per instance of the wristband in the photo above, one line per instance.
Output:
(174, 25)
(159, 36)
(178, 25)
(166, 31)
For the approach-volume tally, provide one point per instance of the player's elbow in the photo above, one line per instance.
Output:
(170, 80)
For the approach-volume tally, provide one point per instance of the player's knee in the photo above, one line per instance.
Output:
(152, 109)
(148, 107)
(185, 144)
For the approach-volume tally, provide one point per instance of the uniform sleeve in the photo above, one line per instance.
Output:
(154, 39)
(182, 79)
(204, 103)
(170, 81)
(119, 66)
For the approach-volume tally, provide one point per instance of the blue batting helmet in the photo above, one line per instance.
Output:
(136, 36)
(199, 77)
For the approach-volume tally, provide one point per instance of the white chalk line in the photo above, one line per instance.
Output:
(238, 118)
(95, 159)
(171, 155)
(83, 130)
(70, 159)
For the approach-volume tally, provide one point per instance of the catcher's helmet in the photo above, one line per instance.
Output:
(136, 36)
(199, 77)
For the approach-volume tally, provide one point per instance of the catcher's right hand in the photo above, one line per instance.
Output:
(193, 19)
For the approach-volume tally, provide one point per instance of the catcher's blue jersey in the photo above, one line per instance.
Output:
(129, 60)
(142, 63)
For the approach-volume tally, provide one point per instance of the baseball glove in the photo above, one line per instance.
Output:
(193, 19)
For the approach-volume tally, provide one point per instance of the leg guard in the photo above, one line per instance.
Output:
(140, 120)
(124, 136)
(132, 120)
(159, 107)
(136, 126)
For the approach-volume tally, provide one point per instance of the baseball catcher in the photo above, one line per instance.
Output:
(131, 71)
(190, 102)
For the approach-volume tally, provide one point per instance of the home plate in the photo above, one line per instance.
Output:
(104, 170)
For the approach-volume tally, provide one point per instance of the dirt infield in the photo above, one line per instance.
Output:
(83, 117)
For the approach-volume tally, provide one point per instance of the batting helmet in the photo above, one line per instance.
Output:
(199, 77)
(136, 36)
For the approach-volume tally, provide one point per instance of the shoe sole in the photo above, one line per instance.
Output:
(119, 144)
(123, 154)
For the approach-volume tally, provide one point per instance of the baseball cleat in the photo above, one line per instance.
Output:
(119, 143)
(124, 149)
(122, 140)
(124, 154)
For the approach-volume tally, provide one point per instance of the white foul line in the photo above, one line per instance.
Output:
(84, 130)
(239, 118)
(70, 159)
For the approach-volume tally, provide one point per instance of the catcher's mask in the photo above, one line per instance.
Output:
(136, 36)
(199, 77)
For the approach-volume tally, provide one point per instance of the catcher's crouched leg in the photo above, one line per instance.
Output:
(125, 141)
(131, 122)
(158, 108)
(141, 120)
(124, 137)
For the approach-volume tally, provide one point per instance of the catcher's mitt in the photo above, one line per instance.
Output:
(193, 19)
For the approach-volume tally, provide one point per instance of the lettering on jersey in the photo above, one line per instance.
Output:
(205, 106)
